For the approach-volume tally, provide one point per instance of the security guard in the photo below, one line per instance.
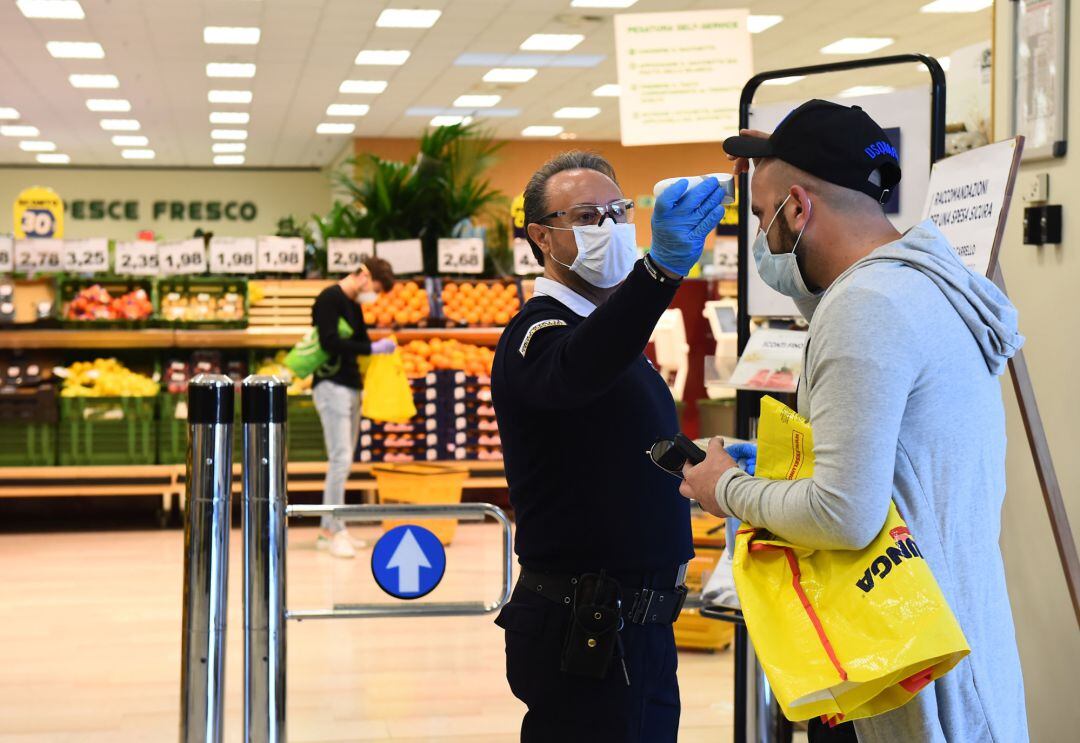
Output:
(602, 533)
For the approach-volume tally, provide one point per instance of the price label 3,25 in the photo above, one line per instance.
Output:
(137, 258)
(232, 254)
(345, 255)
(41, 255)
(461, 255)
(182, 257)
(280, 255)
(85, 256)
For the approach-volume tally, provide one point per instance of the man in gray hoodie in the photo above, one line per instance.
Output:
(900, 383)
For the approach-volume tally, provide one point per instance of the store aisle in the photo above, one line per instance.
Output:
(91, 638)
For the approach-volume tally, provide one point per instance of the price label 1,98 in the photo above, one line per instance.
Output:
(138, 258)
(461, 255)
(280, 255)
(85, 256)
(7, 254)
(232, 255)
(346, 255)
(525, 263)
(41, 255)
(182, 257)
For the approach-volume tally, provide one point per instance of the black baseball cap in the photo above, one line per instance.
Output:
(838, 144)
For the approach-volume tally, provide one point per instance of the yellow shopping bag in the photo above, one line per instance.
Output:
(841, 634)
(388, 396)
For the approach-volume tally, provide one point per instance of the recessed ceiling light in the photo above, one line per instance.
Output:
(755, 24)
(402, 18)
(229, 117)
(448, 120)
(228, 159)
(329, 127)
(233, 134)
(94, 81)
(956, 6)
(577, 112)
(541, 131)
(567, 135)
(230, 35)
(476, 101)
(64, 10)
(552, 42)
(19, 130)
(76, 49)
(130, 140)
(229, 96)
(509, 75)
(373, 87)
(138, 154)
(54, 158)
(225, 147)
(230, 69)
(120, 125)
(388, 57)
(347, 109)
(861, 90)
(611, 90)
(857, 45)
(8, 113)
(602, 3)
(110, 105)
(785, 80)
(37, 145)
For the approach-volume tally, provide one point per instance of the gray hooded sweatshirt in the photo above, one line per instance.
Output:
(900, 383)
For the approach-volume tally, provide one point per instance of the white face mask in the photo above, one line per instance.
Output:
(367, 297)
(606, 253)
(781, 271)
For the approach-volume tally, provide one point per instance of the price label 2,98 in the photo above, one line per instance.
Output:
(138, 258)
(7, 254)
(38, 256)
(232, 255)
(182, 257)
(461, 255)
(280, 255)
(346, 255)
(86, 256)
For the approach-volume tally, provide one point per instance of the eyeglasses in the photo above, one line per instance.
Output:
(583, 215)
(671, 454)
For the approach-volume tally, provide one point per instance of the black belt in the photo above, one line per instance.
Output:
(639, 606)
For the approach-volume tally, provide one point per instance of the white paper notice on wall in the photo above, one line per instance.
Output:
(345, 255)
(38, 255)
(232, 255)
(681, 75)
(404, 256)
(179, 257)
(136, 258)
(7, 254)
(461, 255)
(85, 256)
(968, 195)
(525, 263)
(280, 255)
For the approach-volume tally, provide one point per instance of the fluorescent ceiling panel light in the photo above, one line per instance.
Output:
(372, 87)
(54, 158)
(857, 45)
(94, 81)
(234, 134)
(610, 90)
(602, 3)
(75, 49)
(485, 59)
(229, 96)
(230, 69)
(509, 75)
(230, 35)
(861, 90)
(405, 18)
(755, 24)
(138, 154)
(552, 42)
(130, 140)
(228, 160)
(36, 145)
(109, 105)
(785, 80)
(229, 117)
(221, 148)
(541, 131)
(328, 127)
(19, 130)
(427, 111)
(347, 109)
(120, 125)
(389, 57)
(450, 120)
(477, 101)
(956, 6)
(8, 113)
(63, 10)
(577, 112)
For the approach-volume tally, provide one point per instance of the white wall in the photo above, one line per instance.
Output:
(1043, 284)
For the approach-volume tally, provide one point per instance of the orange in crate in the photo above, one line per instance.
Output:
(422, 484)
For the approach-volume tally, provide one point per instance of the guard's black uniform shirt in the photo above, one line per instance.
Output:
(578, 405)
(331, 305)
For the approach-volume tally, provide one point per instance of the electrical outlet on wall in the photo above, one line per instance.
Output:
(1036, 188)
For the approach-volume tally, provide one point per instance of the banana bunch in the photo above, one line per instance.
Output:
(105, 378)
(275, 366)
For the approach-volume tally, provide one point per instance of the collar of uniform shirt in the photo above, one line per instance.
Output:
(562, 293)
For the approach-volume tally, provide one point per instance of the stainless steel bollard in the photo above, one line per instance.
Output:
(211, 410)
(263, 503)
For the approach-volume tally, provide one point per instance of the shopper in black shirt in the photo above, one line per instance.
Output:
(338, 385)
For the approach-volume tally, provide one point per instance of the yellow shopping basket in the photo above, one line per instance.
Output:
(421, 483)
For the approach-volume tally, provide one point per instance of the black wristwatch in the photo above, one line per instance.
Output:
(661, 277)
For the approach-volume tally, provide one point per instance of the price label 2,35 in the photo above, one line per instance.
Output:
(280, 255)
(138, 258)
(461, 255)
(232, 255)
(85, 256)
(40, 255)
(345, 255)
(7, 254)
(182, 257)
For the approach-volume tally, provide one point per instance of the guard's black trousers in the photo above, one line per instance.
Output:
(564, 708)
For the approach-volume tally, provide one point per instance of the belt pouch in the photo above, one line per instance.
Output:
(595, 619)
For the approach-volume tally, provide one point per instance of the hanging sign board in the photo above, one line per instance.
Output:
(525, 263)
(280, 255)
(345, 255)
(182, 257)
(136, 258)
(38, 212)
(461, 255)
(41, 255)
(85, 256)
(681, 75)
(404, 256)
(969, 197)
(7, 254)
(232, 255)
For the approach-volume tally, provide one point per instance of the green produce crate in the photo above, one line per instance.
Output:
(190, 287)
(68, 288)
(305, 437)
(27, 444)
(107, 430)
(173, 430)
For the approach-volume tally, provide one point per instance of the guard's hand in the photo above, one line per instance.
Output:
(681, 221)
(384, 346)
(699, 481)
(742, 164)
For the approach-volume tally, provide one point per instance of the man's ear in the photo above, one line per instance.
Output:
(540, 236)
(803, 206)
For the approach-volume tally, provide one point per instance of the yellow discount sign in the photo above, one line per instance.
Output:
(39, 212)
(517, 212)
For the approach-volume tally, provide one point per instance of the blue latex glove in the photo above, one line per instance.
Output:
(382, 346)
(682, 220)
(745, 455)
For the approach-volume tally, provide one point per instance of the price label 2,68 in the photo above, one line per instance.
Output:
(182, 257)
(38, 256)
(138, 258)
(280, 255)
(461, 255)
(232, 255)
(86, 256)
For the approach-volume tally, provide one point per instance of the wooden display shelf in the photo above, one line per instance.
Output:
(149, 338)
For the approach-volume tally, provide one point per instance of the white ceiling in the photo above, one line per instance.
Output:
(307, 49)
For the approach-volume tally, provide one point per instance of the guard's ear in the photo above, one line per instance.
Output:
(541, 237)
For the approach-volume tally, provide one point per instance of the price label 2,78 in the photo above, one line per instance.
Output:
(346, 255)
(182, 257)
(38, 256)
(280, 255)
(85, 256)
(461, 255)
(232, 255)
(138, 258)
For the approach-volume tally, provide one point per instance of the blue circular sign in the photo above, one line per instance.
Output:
(408, 562)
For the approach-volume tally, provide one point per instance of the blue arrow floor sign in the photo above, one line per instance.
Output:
(408, 562)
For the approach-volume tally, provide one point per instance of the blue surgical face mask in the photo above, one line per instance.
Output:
(781, 270)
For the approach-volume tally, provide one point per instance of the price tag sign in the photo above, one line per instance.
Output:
(85, 256)
(404, 256)
(7, 254)
(524, 261)
(461, 255)
(38, 256)
(182, 257)
(138, 258)
(232, 254)
(345, 255)
(280, 255)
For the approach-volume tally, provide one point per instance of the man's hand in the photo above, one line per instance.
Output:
(742, 164)
(699, 481)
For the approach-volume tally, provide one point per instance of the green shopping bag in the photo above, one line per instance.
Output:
(307, 356)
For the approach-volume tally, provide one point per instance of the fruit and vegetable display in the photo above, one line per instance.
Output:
(179, 372)
(94, 302)
(104, 378)
(423, 357)
(275, 366)
(202, 306)
(480, 304)
(406, 304)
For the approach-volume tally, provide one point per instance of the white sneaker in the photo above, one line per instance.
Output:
(341, 546)
(324, 539)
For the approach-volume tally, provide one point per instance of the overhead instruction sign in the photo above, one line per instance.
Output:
(408, 562)
(681, 75)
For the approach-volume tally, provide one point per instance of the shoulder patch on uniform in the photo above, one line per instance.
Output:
(524, 347)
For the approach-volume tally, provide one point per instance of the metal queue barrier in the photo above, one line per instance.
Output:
(264, 516)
